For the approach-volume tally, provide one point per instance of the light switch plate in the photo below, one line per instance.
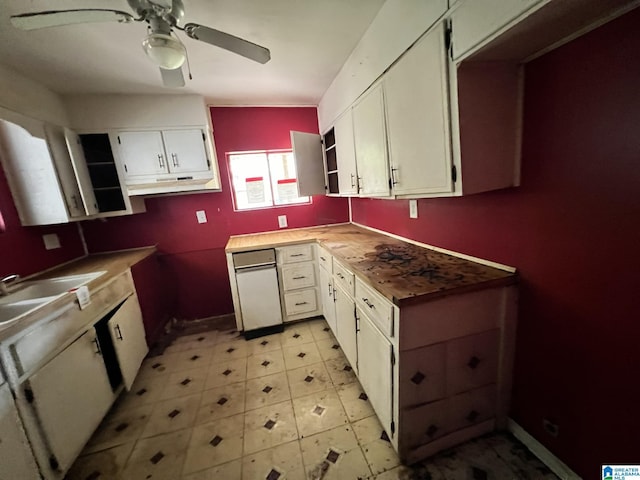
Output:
(51, 241)
(201, 216)
(413, 208)
(282, 221)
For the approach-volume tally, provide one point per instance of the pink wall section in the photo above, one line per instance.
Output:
(573, 231)
(194, 253)
(22, 248)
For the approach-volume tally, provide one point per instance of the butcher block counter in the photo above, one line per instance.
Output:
(403, 272)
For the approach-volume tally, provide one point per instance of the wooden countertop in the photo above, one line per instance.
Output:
(112, 263)
(403, 272)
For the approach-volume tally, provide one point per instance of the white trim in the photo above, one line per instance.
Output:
(350, 211)
(464, 256)
(549, 459)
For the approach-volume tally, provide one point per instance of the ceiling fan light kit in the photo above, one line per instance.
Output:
(161, 47)
(164, 50)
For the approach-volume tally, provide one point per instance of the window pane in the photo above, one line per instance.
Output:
(250, 178)
(284, 179)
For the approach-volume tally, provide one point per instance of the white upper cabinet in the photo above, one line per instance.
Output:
(417, 105)
(346, 154)
(370, 141)
(477, 20)
(148, 156)
(46, 184)
(307, 153)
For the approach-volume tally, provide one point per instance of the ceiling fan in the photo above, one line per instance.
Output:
(163, 48)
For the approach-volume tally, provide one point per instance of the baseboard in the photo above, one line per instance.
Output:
(556, 465)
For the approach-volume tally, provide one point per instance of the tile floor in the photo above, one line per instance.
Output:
(285, 406)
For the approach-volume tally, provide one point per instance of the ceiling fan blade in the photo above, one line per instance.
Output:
(228, 42)
(163, 3)
(172, 78)
(55, 18)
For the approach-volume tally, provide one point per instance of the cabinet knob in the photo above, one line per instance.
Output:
(473, 416)
(431, 431)
(473, 362)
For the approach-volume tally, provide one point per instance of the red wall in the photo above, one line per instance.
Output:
(22, 248)
(194, 253)
(573, 231)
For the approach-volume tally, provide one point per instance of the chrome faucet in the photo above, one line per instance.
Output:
(5, 281)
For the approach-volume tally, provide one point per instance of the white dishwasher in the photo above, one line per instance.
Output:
(257, 280)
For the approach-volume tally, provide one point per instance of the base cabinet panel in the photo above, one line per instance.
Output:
(346, 327)
(71, 395)
(128, 337)
(375, 369)
(16, 459)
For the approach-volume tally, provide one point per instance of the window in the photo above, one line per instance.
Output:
(264, 179)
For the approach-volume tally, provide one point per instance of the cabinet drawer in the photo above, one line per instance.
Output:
(472, 407)
(343, 277)
(295, 253)
(325, 259)
(299, 275)
(302, 301)
(425, 423)
(422, 375)
(377, 308)
(472, 361)
(34, 347)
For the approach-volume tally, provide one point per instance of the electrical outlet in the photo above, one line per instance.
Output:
(282, 221)
(551, 428)
(413, 208)
(201, 216)
(51, 241)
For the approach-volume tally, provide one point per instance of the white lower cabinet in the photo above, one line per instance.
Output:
(375, 372)
(437, 373)
(328, 299)
(346, 328)
(70, 395)
(16, 459)
(65, 372)
(128, 337)
(298, 279)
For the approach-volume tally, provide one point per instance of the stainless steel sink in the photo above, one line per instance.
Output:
(31, 295)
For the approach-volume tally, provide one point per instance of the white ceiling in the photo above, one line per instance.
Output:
(309, 41)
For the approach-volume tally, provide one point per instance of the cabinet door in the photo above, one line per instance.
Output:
(16, 459)
(375, 370)
(370, 139)
(79, 162)
(417, 106)
(128, 336)
(66, 174)
(31, 174)
(346, 154)
(71, 396)
(346, 326)
(142, 154)
(328, 301)
(186, 151)
(307, 152)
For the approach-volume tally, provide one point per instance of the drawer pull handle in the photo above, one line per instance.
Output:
(118, 332)
(323, 259)
(297, 255)
(418, 378)
(301, 303)
(473, 416)
(299, 277)
(431, 431)
(368, 303)
(473, 362)
(340, 275)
